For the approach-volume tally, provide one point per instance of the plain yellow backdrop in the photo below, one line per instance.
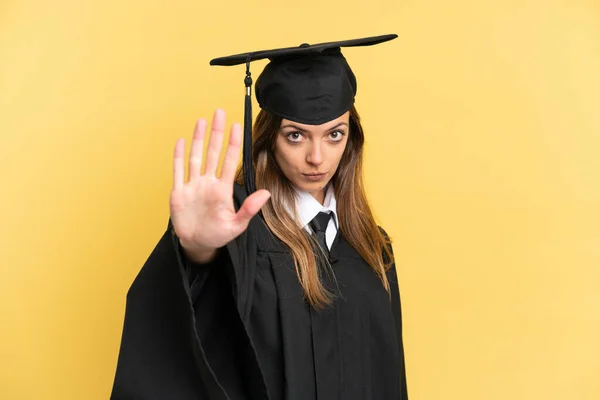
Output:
(482, 162)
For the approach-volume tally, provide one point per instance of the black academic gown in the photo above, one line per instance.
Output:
(240, 329)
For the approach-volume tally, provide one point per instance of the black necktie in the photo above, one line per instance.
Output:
(319, 226)
(324, 323)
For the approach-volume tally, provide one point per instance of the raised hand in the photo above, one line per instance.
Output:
(202, 210)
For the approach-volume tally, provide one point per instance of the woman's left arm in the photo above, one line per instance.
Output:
(397, 311)
(392, 277)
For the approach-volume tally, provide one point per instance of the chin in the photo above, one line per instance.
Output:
(312, 186)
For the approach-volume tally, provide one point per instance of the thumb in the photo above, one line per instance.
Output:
(251, 207)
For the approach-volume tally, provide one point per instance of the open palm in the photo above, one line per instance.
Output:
(202, 210)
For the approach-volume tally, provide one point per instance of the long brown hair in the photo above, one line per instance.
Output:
(357, 224)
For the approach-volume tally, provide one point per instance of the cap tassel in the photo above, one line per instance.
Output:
(247, 152)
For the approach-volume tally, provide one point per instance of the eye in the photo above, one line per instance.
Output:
(294, 137)
(336, 136)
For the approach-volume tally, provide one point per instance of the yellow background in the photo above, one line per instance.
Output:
(483, 124)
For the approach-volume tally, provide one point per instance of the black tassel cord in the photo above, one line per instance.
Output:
(247, 152)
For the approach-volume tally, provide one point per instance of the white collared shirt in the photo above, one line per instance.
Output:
(308, 208)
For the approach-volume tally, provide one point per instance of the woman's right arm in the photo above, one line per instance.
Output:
(182, 337)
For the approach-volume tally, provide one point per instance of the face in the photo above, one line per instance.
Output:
(309, 155)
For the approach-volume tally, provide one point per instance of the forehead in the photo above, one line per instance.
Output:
(325, 126)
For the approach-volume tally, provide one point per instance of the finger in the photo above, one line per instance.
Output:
(215, 143)
(178, 164)
(251, 207)
(196, 149)
(232, 156)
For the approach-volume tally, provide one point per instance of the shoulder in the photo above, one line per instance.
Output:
(384, 233)
(388, 256)
(257, 228)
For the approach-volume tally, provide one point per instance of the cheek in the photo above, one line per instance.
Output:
(286, 157)
(336, 154)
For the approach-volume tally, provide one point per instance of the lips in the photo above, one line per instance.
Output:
(314, 177)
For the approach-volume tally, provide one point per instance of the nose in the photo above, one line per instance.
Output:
(315, 154)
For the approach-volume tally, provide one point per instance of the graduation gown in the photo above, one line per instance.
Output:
(239, 328)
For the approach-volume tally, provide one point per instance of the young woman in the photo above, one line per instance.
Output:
(285, 292)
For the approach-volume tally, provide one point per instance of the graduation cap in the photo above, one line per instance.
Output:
(308, 84)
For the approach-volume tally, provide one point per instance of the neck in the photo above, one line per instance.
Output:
(319, 195)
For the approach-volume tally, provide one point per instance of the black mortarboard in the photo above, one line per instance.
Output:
(308, 84)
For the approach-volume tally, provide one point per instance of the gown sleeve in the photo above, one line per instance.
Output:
(392, 277)
(188, 341)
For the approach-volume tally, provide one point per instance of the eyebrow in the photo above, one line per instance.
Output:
(304, 130)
